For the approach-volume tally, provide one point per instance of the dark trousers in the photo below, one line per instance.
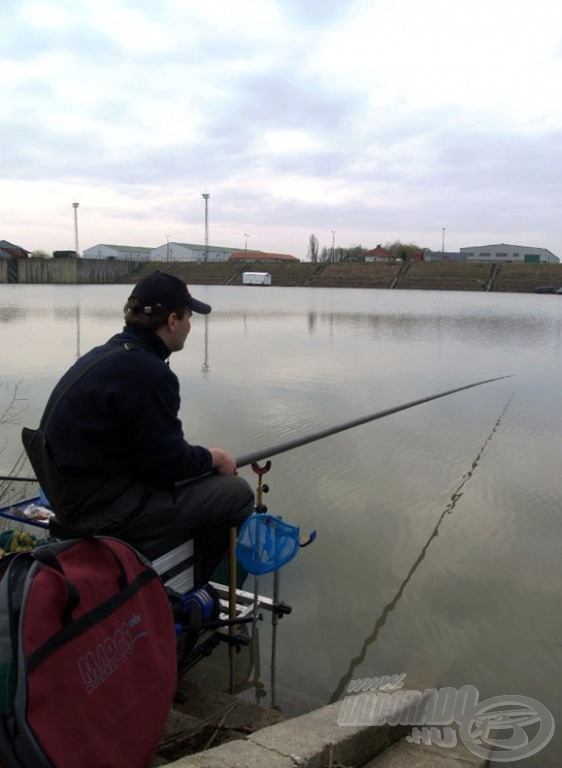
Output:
(203, 510)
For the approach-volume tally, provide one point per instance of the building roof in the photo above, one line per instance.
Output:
(507, 245)
(10, 251)
(379, 252)
(203, 248)
(124, 248)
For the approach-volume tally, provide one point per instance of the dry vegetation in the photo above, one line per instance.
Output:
(447, 276)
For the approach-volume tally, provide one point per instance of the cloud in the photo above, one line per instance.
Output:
(382, 120)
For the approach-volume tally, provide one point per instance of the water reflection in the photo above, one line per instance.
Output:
(11, 314)
(268, 366)
(401, 327)
(390, 606)
(205, 367)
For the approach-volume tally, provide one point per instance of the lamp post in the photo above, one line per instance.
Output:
(333, 245)
(246, 243)
(75, 206)
(206, 197)
(443, 241)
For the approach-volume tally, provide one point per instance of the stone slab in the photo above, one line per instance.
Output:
(404, 754)
(313, 739)
(235, 754)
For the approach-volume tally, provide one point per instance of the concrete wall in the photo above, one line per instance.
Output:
(70, 271)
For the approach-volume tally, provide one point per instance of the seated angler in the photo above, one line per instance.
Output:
(114, 450)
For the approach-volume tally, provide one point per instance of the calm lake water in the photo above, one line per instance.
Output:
(439, 528)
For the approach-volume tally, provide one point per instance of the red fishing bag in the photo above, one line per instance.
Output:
(87, 657)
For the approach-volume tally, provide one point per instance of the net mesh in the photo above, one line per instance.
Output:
(265, 543)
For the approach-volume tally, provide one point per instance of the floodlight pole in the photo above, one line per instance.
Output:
(75, 206)
(206, 197)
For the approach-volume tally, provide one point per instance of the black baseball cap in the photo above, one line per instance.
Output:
(162, 292)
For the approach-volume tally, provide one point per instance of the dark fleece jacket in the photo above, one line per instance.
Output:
(121, 417)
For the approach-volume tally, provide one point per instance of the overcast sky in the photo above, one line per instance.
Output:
(380, 120)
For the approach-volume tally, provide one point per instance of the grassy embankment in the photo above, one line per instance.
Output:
(452, 276)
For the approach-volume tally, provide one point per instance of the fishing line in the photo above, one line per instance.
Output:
(389, 607)
(267, 453)
(275, 450)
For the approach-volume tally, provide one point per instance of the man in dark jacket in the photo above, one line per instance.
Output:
(113, 434)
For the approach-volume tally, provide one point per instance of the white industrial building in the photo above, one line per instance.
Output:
(190, 252)
(502, 252)
(173, 251)
(123, 252)
(170, 251)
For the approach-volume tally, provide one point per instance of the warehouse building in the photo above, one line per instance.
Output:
(173, 251)
(524, 254)
(190, 252)
(122, 252)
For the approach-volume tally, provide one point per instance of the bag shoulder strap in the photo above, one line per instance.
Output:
(78, 374)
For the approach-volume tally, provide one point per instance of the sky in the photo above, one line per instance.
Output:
(359, 121)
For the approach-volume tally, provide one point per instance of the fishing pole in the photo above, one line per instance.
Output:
(251, 458)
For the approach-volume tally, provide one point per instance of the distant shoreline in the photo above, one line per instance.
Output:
(436, 276)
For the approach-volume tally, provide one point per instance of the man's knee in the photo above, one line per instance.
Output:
(243, 496)
(215, 501)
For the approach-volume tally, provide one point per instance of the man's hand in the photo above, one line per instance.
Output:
(223, 462)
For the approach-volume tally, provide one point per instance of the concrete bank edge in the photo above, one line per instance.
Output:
(308, 741)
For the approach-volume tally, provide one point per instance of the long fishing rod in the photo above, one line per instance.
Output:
(251, 458)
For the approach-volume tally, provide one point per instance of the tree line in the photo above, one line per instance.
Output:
(397, 250)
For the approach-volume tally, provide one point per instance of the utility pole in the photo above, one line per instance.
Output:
(167, 247)
(246, 244)
(75, 206)
(206, 197)
(333, 245)
(443, 241)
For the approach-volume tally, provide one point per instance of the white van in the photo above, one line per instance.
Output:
(256, 278)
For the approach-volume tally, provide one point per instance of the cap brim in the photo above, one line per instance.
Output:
(198, 306)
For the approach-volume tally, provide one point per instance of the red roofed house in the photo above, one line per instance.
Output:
(379, 254)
